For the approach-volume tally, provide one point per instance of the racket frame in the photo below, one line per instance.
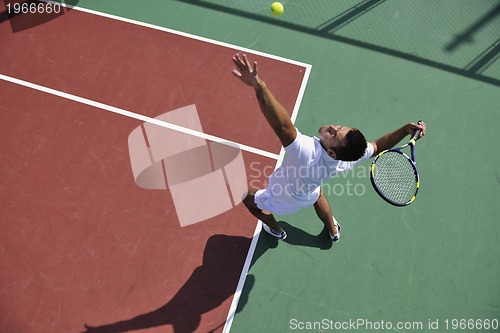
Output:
(413, 163)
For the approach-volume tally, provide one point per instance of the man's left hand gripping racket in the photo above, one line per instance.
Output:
(394, 174)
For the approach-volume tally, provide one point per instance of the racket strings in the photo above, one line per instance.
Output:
(394, 176)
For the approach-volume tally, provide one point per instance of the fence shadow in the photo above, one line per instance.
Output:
(23, 15)
(327, 31)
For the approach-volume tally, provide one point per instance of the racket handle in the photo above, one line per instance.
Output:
(416, 134)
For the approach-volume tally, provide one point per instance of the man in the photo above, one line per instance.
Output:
(296, 184)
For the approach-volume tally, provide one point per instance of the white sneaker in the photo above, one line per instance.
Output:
(281, 235)
(335, 238)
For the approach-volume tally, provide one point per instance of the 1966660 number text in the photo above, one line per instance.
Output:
(33, 8)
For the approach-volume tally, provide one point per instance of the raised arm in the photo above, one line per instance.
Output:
(273, 111)
(391, 139)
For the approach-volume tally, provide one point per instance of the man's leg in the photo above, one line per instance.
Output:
(324, 212)
(265, 217)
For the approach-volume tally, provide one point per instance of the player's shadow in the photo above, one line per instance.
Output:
(207, 288)
(299, 237)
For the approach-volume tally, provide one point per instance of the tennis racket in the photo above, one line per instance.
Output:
(394, 174)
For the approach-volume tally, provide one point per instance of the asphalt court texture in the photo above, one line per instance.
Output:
(81, 243)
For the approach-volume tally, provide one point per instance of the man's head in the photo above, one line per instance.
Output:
(342, 143)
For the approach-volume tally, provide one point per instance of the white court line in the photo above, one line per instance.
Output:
(137, 116)
(279, 158)
(180, 33)
(258, 228)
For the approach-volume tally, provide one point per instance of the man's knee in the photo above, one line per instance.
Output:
(321, 197)
(248, 200)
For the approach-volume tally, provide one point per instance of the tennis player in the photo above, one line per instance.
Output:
(310, 161)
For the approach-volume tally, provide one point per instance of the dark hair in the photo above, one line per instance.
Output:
(354, 146)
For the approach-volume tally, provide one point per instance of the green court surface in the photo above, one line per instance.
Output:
(376, 65)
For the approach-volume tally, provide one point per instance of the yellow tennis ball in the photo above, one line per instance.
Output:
(277, 8)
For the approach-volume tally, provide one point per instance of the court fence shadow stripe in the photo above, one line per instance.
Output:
(485, 59)
(349, 15)
(466, 36)
(349, 41)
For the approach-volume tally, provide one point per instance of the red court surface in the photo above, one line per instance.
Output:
(80, 242)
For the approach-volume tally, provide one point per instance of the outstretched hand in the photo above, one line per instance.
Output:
(248, 74)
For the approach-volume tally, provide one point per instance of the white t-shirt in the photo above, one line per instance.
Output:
(307, 166)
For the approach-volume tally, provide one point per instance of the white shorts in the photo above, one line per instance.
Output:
(283, 204)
